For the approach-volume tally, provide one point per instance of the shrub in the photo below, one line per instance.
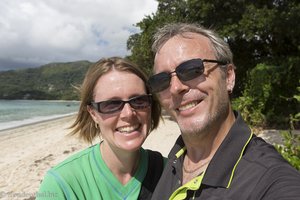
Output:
(256, 94)
(290, 149)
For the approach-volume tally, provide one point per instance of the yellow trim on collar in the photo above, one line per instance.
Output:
(181, 192)
(180, 152)
(195, 183)
(241, 154)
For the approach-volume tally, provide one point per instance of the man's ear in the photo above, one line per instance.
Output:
(230, 78)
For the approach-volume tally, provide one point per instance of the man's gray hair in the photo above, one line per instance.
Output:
(220, 47)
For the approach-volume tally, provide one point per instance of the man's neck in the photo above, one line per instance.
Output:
(202, 146)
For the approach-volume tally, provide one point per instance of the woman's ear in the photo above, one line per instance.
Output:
(230, 78)
(92, 112)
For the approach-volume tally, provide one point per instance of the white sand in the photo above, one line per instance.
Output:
(28, 152)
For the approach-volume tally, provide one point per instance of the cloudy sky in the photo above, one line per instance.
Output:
(37, 32)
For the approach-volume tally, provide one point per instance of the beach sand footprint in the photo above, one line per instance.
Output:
(70, 151)
(43, 160)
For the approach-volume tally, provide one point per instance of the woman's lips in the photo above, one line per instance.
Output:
(128, 129)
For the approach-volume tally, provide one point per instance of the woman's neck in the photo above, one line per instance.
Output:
(121, 163)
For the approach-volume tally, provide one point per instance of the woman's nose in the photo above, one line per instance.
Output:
(127, 111)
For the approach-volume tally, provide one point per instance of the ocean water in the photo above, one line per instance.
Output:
(14, 113)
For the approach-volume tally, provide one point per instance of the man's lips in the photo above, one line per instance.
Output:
(188, 105)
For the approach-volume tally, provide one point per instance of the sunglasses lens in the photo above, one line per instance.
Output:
(190, 69)
(140, 102)
(159, 82)
(114, 106)
(185, 71)
(110, 106)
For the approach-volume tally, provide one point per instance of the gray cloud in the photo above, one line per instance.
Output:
(36, 32)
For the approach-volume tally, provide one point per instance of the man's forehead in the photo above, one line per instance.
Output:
(179, 49)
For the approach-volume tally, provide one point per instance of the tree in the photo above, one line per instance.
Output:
(258, 32)
(264, 31)
(140, 43)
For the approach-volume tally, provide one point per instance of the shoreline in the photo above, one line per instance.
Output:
(37, 121)
(17, 113)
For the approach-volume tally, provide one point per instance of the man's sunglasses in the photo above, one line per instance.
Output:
(115, 106)
(186, 71)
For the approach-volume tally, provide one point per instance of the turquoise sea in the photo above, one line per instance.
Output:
(14, 113)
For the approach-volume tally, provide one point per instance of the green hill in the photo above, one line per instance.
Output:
(51, 81)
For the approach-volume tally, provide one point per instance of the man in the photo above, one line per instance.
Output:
(217, 156)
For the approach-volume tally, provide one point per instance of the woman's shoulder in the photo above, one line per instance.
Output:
(77, 159)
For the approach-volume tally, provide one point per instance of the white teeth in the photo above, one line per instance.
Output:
(128, 129)
(188, 106)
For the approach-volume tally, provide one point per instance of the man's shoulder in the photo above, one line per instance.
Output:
(262, 155)
(266, 172)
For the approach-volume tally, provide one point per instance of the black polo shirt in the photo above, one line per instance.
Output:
(243, 167)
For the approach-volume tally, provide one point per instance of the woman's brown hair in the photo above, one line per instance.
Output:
(84, 125)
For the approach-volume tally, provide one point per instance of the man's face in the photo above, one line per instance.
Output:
(200, 104)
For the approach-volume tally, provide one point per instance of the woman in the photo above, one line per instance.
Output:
(115, 105)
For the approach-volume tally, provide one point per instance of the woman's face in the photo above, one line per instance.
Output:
(127, 129)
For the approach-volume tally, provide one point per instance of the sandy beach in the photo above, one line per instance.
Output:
(28, 152)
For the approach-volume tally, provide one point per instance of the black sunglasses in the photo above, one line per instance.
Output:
(186, 71)
(114, 106)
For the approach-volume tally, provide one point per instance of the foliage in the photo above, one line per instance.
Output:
(291, 147)
(258, 32)
(51, 81)
(255, 95)
(263, 101)
(255, 30)
(140, 43)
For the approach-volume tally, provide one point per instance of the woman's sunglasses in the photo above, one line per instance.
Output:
(115, 106)
(186, 71)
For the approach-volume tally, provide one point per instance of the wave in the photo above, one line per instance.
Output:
(33, 120)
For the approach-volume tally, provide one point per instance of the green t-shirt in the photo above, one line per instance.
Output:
(86, 176)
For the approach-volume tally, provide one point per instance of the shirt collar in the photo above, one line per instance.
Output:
(222, 166)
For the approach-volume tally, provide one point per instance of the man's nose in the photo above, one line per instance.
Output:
(177, 86)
